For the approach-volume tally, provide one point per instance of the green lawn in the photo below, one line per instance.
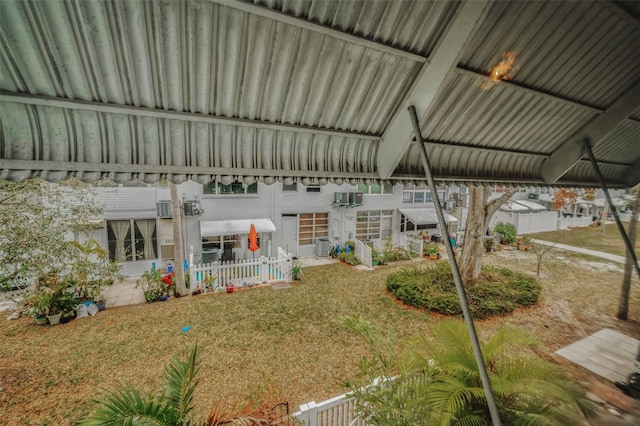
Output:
(590, 237)
(292, 340)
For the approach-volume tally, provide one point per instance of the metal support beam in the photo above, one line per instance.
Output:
(397, 137)
(169, 169)
(482, 369)
(265, 12)
(627, 242)
(554, 167)
(80, 105)
(632, 174)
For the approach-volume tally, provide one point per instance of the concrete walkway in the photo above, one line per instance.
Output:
(612, 257)
(608, 353)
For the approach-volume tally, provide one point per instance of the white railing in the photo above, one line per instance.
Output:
(574, 222)
(282, 253)
(337, 411)
(415, 242)
(363, 253)
(241, 273)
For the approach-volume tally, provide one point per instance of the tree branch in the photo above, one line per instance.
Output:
(494, 205)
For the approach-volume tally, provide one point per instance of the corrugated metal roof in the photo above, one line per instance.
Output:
(425, 216)
(266, 90)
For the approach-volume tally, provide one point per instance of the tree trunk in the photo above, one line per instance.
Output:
(623, 305)
(478, 217)
(178, 252)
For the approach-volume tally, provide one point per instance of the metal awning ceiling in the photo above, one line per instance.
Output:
(425, 216)
(213, 228)
(317, 91)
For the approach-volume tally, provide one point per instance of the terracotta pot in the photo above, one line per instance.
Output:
(230, 288)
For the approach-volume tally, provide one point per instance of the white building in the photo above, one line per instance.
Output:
(303, 220)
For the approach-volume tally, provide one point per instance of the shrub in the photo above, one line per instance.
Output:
(500, 291)
(350, 258)
(507, 232)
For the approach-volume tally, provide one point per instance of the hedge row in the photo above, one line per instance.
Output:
(499, 292)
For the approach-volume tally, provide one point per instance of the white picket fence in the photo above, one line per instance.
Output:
(363, 253)
(241, 273)
(337, 411)
(574, 222)
(415, 242)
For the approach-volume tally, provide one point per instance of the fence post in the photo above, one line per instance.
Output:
(264, 270)
(309, 413)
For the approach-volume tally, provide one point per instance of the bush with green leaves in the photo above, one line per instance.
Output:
(152, 285)
(36, 218)
(434, 380)
(349, 258)
(433, 288)
(507, 232)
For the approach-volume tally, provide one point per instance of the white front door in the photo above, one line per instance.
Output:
(290, 234)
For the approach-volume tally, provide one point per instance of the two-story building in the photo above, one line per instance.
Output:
(302, 219)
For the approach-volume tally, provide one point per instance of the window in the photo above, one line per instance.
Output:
(373, 224)
(407, 225)
(374, 188)
(236, 188)
(132, 239)
(222, 242)
(420, 194)
(290, 188)
(312, 226)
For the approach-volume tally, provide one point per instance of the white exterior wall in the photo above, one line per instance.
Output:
(271, 202)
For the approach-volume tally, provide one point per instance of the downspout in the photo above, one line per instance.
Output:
(482, 369)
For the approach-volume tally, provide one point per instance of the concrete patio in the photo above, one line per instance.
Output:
(607, 353)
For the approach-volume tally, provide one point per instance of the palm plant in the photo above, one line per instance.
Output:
(438, 381)
(172, 407)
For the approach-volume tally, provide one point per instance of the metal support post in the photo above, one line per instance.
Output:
(482, 369)
(625, 237)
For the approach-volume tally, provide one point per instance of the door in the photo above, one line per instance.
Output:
(290, 233)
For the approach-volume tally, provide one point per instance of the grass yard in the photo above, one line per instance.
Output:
(590, 238)
(291, 340)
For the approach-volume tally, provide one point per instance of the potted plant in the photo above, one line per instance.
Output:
(431, 250)
(488, 244)
(152, 285)
(53, 296)
(296, 272)
(507, 232)
(38, 304)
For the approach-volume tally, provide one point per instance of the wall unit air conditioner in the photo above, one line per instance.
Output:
(192, 208)
(340, 198)
(355, 199)
(164, 209)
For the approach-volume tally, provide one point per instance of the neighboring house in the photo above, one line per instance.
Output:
(298, 218)
(531, 210)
